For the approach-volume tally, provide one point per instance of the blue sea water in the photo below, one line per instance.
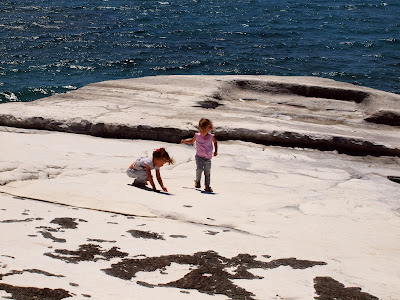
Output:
(54, 46)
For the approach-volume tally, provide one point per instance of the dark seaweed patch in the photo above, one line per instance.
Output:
(36, 271)
(33, 293)
(67, 223)
(100, 241)
(328, 288)
(87, 252)
(178, 236)
(209, 232)
(208, 271)
(48, 235)
(145, 234)
(20, 221)
(47, 228)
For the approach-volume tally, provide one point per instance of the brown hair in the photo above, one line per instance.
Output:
(205, 123)
(161, 153)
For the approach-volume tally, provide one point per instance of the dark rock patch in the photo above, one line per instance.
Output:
(394, 178)
(50, 229)
(248, 99)
(302, 90)
(328, 288)
(216, 96)
(385, 117)
(178, 236)
(208, 104)
(145, 284)
(33, 293)
(345, 145)
(143, 132)
(87, 252)
(48, 235)
(145, 234)
(67, 223)
(100, 241)
(209, 232)
(36, 271)
(208, 271)
(20, 221)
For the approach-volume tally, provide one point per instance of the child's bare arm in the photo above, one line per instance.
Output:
(158, 175)
(189, 141)
(150, 177)
(215, 146)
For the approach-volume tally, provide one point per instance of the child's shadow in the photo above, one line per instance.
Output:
(199, 190)
(146, 188)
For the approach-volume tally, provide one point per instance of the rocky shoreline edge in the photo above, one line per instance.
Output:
(304, 112)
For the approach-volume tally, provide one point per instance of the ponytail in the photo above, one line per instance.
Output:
(161, 153)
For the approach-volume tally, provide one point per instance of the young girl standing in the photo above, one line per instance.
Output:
(141, 168)
(204, 148)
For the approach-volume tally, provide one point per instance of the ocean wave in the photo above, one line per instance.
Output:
(33, 93)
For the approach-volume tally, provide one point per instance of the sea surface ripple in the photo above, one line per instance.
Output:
(49, 47)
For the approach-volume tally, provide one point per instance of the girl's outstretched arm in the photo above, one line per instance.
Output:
(189, 141)
(158, 175)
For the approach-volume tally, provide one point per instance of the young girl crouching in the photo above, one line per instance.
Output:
(141, 169)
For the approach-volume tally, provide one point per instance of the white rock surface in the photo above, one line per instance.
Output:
(340, 211)
(283, 223)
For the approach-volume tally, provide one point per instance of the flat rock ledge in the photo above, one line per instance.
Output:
(305, 112)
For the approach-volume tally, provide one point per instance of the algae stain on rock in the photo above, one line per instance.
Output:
(208, 271)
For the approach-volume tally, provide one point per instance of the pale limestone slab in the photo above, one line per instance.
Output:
(283, 202)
